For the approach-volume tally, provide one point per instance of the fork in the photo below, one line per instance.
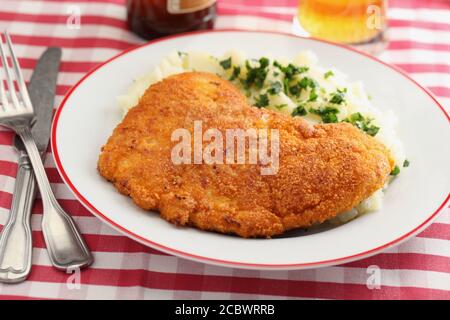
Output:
(66, 248)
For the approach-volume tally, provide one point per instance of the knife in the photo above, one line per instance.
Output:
(15, 240)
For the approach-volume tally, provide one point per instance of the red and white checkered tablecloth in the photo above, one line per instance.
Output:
(125, 269)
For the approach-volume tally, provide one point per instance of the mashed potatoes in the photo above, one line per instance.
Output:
(299, 87)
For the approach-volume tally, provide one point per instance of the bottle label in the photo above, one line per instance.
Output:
(186, 6)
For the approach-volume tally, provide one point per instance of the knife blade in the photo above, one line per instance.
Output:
(42, 89)
(15, 239)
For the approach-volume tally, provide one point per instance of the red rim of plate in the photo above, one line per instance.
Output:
(163, 248)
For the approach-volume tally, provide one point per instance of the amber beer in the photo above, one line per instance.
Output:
(157, 18)
(346, 21)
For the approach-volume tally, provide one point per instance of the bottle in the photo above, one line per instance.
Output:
(152, 19)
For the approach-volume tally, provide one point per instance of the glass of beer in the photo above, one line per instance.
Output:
(361, 23)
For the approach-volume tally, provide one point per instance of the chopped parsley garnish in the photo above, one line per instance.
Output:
(295, 90)
(304, 83)
(262, 101)
(395, 171)
(299, 111)
(226, 64)
(276, 74)
(312, 95)
(354, 118)
(275, 87)
(181, 54)
(363, 123)
(372, 130)
(328, 74)
(256, 75)
(290, 70)
(280, 106)
(307, 82)
(328, 114)
(286, 82)
(405, 163)
(338, 97)
(236, 72)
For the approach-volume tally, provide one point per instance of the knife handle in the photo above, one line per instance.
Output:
(15, 240)
(65, 245)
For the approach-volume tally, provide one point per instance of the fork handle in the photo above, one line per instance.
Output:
(15, 239)
(65, 246)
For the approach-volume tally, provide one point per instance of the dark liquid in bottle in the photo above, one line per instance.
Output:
(157, 18)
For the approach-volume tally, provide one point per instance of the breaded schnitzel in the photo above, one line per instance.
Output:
(323, 170)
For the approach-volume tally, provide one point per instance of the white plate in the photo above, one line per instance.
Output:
(89, 113)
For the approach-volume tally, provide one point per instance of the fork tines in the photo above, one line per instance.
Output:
(19, 98)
